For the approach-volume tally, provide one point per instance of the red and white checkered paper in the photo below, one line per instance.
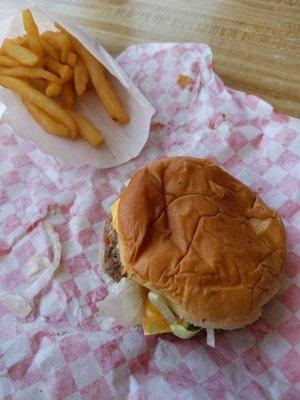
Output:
(59, 352)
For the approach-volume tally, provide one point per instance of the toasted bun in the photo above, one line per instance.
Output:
(191, 232)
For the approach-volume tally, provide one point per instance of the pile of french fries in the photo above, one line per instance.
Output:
(49, 71)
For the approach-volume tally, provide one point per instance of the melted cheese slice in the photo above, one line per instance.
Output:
(114, 214)
(153, 322)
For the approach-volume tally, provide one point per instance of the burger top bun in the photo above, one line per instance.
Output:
(191, 232)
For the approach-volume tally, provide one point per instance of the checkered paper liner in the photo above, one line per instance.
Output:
(58, 351)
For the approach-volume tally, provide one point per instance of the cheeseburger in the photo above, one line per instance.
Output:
(205, 250)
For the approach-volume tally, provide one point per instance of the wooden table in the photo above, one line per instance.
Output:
(256, 43)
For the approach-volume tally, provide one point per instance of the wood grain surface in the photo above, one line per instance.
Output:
(256, 43)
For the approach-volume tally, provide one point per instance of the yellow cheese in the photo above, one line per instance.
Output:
(153, 321)
(114, 214)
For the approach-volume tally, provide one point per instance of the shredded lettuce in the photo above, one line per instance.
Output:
(210, 337)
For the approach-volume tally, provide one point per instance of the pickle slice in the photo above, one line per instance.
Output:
(182, 332)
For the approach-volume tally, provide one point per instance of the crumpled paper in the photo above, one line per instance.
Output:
(60, 350)
(122, 142)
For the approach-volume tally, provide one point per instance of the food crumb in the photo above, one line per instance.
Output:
(157, 125)
(183, 81)
(217, 120)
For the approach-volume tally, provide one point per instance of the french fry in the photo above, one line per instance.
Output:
(71, 59)
(39, 67)
(64, 71)
(64, 56)
(86, 129)
(81, 76)
(29, 72)
(20, 53)
(7, 61)
(102, 86)
(50, 50)
(20, 40)
(67, 94)
(41, 101)
(58, 39)
(53, 89)
(33, 35)
(89, 85)
(45, 121)
(39, 84)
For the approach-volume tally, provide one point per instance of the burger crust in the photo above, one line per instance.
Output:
(193, 233)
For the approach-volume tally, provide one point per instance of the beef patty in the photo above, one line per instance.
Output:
(112, 263)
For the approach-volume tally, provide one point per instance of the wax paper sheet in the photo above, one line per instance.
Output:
(122, 142)
(58, 351)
